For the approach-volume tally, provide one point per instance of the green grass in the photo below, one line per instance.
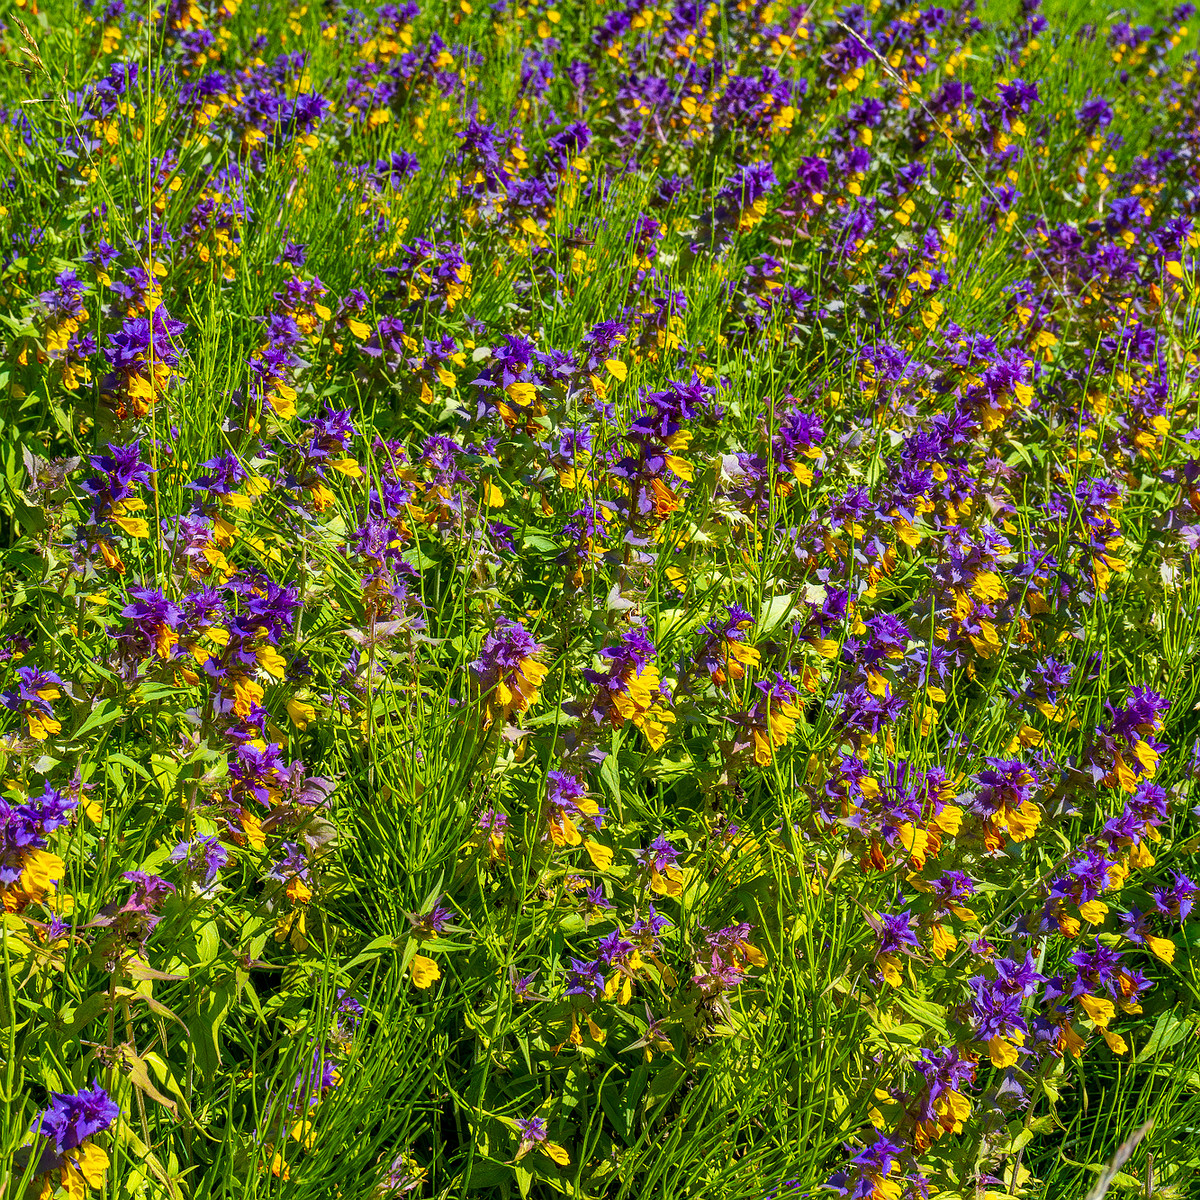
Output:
(202, 1050)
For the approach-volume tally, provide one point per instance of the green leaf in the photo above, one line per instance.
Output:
(524, 1180)
(206, 1028)
(665, 1082)
(1168, 1030)
(372, 950)
(86, 1012)
(208, 942)
(931, 1016)
(620, 1115)
(135, 1067)
(104, 713)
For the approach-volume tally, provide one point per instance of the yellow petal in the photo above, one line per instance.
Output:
(1140, 857)
(300, 713)
(1116, 1043)
(988, 586)
(1023, 821)
(134, 526)
(298, 892)
(601, 856)
(271, 661)
(753, 955)
(1147, 756)
(570, 832)
(41, 872)
(949, 820)
(1101, 1011)
(680, 466)
(521, 393)
(889, 968)
(140, 388)
(556, 1152)
(667, 883)
(252, 828)
(1164, 948)
(617, 369)
(1002, 1052)
(92, 1162)
(944, 941)
(425, 971)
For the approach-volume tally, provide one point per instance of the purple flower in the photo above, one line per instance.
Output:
(202, 857)
(658, 856)
(493, 821)
(866, 1168)
(434, 921)
(1006, 784)
(615, 949)
(152, 621)
(72, 1118)
(532, 1129)
(1177, 900)
(648, 928)
(894, 933)
(507, 671)
(585, 979)
(315, 1081)
(23, 828)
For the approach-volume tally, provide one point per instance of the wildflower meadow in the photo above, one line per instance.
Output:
(599, 598)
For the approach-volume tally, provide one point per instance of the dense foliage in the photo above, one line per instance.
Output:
(599, 601)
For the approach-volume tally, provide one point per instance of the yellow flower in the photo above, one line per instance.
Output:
(424, 971)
